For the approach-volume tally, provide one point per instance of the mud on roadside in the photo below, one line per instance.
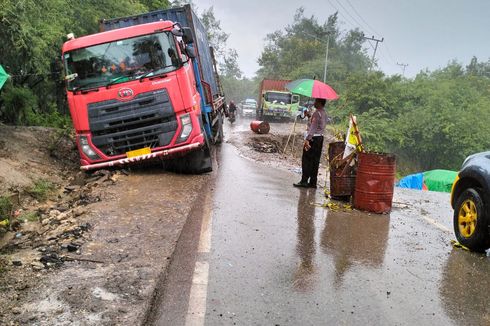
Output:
(280, 148)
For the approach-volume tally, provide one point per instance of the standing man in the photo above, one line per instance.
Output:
(313, 145)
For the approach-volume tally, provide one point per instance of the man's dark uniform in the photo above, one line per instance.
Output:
(311, 156)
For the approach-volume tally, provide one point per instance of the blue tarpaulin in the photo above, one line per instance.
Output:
(412, 181)
(434, 180)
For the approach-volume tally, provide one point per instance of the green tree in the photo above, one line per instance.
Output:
(216, 36)
(299, 51)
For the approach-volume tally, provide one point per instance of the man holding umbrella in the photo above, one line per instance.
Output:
(313, 144)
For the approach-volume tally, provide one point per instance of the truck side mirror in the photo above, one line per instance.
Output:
(187, 35)
(189, 50)
(295, 99)
(177, 32)
(71, 77)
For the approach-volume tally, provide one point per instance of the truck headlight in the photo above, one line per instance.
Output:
(186, 122)
(86, 149)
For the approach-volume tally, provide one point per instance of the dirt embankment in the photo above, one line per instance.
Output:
(36, 164)
(83, 249)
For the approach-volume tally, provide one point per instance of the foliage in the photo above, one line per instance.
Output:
(216, 36)
(18, 102)
(31, 35)
(433, 121)
(29, 216)
(41, 189)
(51, 118)
(229, 68)
(20, 107)
(6, 207)
(240, 89)
(300, 51)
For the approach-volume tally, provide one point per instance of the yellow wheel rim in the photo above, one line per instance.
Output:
(467, 218)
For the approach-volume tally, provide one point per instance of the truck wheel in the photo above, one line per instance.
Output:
(195, 162)
(218, 130)
(471, 222)
(200, 161)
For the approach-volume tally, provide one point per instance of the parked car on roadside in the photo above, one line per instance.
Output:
(470, 199)
(248, 107)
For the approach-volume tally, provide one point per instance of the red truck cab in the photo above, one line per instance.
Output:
(132, 96)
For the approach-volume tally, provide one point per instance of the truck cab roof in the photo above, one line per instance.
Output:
(116, 34)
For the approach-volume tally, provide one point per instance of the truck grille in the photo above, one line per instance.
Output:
(117, 127)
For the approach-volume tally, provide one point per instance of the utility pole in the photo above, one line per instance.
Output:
(376, 47)
(326, 60)
(326, 53)
(404, 65)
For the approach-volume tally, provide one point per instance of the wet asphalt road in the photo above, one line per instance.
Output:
(259, 252)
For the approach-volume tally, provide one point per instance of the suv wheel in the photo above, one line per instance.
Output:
(471, 223)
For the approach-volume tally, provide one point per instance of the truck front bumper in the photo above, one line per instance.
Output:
(157, 154)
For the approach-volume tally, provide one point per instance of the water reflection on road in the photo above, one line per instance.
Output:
(279, 258)
(354, 238)
(305, 247)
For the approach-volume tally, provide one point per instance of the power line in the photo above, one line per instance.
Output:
(353, 18)
(357, 13)
(391, 58)
(343, 16)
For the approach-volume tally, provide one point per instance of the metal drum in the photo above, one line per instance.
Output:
(342, 175)
(375, 182)
(260, 127)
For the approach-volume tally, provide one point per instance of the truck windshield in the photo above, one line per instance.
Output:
(121, 60)
(278, 97)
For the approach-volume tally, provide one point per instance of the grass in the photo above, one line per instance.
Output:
(42, 189)
(30, 216)
(6, 207)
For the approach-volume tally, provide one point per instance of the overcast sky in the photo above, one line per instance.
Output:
(420, 33)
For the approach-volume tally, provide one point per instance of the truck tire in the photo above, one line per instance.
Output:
(200, 161)
(196, 162)
(471, 221)
(218, 130)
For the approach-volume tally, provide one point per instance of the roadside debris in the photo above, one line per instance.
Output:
(458, 245)
(260, 127)
(41, 237)
(265, 147)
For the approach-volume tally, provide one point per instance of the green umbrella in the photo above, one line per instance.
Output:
(3, 77)
(312, 88)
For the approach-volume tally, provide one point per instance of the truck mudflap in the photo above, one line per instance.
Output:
(154, 155)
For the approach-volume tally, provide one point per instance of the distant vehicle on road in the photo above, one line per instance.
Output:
(248, 108)
(275, 101)
(470, 199)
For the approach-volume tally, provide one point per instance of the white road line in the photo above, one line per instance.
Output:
(436, 224)
(196, 311)
(206, 227)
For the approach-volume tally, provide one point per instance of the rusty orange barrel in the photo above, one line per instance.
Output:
(375, 182)
(342, 175)
(260, 127)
